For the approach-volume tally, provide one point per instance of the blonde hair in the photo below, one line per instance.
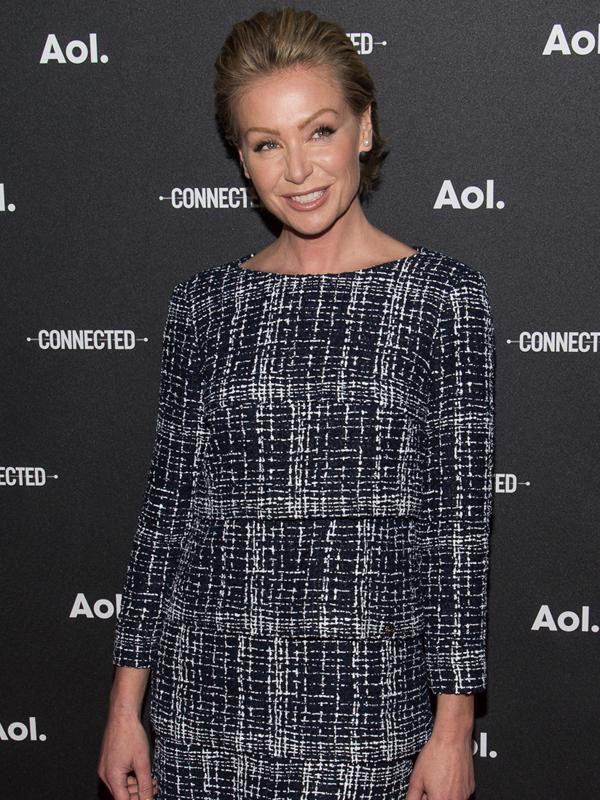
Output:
(275, 40)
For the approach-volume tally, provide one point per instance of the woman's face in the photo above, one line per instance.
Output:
(299, 137)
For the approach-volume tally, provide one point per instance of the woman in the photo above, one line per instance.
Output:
(311, 556)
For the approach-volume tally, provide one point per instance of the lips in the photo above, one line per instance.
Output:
(310, 200)
(303, 194)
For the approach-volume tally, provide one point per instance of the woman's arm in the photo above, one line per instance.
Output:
(161, 529)
(164, 516)
(444, 768)
(454, 717)
(125, 748)
(454, 529)
(453, 534)
(127, 692)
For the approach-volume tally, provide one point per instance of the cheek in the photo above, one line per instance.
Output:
(265, 171)
(340, 159)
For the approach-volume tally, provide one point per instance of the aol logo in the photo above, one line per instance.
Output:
(102, 609)
(480, 747)
(471, 197)
(567, 621)
(3, 205)
(20, 731)
(364, 42)
(76, 51)
(582, 42)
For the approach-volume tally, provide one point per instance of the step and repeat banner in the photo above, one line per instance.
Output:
(115, 186)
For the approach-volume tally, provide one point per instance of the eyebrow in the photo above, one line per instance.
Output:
(300, 126)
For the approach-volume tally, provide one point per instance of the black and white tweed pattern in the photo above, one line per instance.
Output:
(312, 549)
(355, 700)
(301, 638)
(188, 772)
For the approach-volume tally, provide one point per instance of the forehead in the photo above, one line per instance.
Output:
(289, 95)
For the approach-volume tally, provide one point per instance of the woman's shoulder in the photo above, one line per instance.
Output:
(437, 266)
(450, 271)
(211, 273)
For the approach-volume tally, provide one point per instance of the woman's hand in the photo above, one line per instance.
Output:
(125, 748)
(443, 770)
(133, 787)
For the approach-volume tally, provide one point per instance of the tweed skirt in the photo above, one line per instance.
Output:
(288, 665)
(187, 772)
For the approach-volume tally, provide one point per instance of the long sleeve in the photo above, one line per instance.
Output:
(163, 519)
(454, 527)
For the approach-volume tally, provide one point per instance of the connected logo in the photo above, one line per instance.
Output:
(364, 42)
(471, 197)
(75, 52)
(567, 621)
(557, 341)
(4, 206)
(21, 731)
(24, 476)
(507, 483)
(86, 339)
(209, 197)
(581, 43)
(101, 609)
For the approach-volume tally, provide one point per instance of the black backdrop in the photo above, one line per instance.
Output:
(109, 169)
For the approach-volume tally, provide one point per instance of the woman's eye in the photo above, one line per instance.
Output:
(325, 130)
(258, 147)
(322, 130)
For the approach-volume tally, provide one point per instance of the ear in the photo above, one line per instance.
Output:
(242, 162)
(366, 130)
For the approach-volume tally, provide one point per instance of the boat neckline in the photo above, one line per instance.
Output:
(236, 265)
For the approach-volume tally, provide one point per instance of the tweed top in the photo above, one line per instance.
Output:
(292, 404)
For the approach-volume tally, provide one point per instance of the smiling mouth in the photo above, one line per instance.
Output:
(310, 197)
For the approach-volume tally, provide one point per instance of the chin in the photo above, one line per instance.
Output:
(310, 220)
(310, 227)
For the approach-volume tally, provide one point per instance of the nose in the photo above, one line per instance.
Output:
(297, 165)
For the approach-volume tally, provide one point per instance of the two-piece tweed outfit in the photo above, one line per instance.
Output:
(311, 556)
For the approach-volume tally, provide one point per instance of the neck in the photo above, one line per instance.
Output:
(324, 252)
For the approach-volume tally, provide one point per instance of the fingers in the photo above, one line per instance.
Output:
(114, 782)
(415, 792)
(141, 768)
(146, 793)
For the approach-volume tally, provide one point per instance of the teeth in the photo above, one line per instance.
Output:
(308, 198)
